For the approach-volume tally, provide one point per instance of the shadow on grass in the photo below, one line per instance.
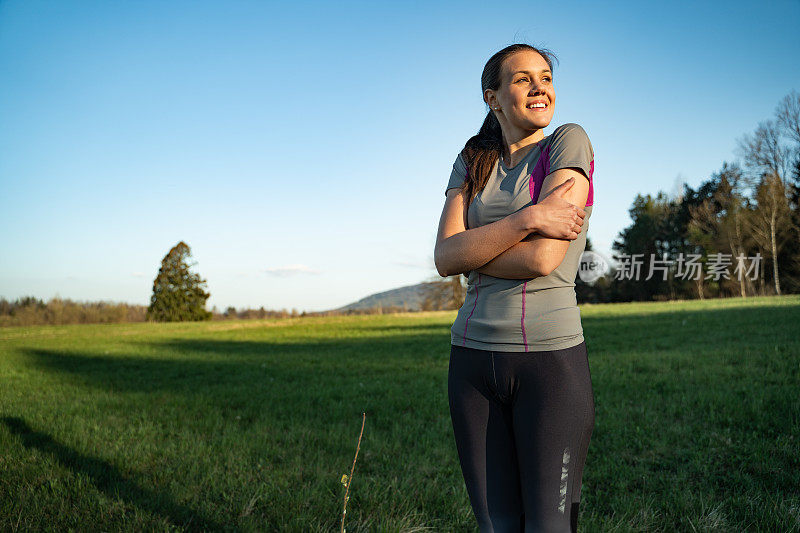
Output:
(107, 478)
(211, 363)
(194, 365)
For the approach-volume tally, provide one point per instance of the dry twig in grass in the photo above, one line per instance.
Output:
(347, 480)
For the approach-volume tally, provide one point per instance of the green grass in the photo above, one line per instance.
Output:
(250, 425)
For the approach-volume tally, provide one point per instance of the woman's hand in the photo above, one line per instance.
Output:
(555, 217)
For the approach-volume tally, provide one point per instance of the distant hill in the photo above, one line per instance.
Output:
(409, 296)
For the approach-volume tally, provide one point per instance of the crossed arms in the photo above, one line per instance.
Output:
(513, 247)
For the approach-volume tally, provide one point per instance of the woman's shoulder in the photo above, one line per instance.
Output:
(460, 164)
(570, 135)
(571, 129)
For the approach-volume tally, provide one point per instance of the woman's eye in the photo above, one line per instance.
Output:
(547, 78)
(521, 79)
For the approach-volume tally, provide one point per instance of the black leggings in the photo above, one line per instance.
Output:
(522, 424)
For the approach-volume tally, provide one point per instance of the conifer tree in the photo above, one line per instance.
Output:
(178, 294)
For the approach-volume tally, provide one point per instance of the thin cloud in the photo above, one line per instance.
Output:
(137, 274)
(291, 270)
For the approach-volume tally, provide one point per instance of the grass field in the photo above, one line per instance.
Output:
(250, 425)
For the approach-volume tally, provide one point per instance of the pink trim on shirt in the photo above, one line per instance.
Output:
(590, 199)
(534, 182)
(542, 169)
(522, 321)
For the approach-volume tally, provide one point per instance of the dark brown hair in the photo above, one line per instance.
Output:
(484, 149)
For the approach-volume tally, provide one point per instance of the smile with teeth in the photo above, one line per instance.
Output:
(537, 105)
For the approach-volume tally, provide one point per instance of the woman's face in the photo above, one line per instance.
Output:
(526, 96)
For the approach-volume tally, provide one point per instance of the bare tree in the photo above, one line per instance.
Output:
(768, 159)
(763, 150)
(788, 116)
(441, 294)
(770, 222)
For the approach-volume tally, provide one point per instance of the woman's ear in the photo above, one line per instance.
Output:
(490, 98)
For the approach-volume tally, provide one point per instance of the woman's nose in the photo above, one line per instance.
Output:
(537, 88)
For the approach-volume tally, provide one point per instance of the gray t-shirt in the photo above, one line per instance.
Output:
(518, 315)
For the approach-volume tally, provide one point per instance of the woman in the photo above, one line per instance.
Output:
(520, 392)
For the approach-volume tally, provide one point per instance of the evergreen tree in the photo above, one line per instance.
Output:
(178, 295)
(644, 238)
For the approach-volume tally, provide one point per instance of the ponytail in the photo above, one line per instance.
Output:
(480, 154)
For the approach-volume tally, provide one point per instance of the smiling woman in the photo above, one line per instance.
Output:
(514, 222)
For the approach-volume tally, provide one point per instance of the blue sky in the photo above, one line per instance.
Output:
(302, 150)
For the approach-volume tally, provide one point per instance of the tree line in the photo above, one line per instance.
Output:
(32, 311)
(746, 215)
(178, 295)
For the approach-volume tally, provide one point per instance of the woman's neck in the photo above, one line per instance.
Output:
(515, 151)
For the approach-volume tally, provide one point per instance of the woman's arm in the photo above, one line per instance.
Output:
(459, 250)
(537, 255)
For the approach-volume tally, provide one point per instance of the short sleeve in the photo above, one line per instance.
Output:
(458, 175)
(571, 148)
